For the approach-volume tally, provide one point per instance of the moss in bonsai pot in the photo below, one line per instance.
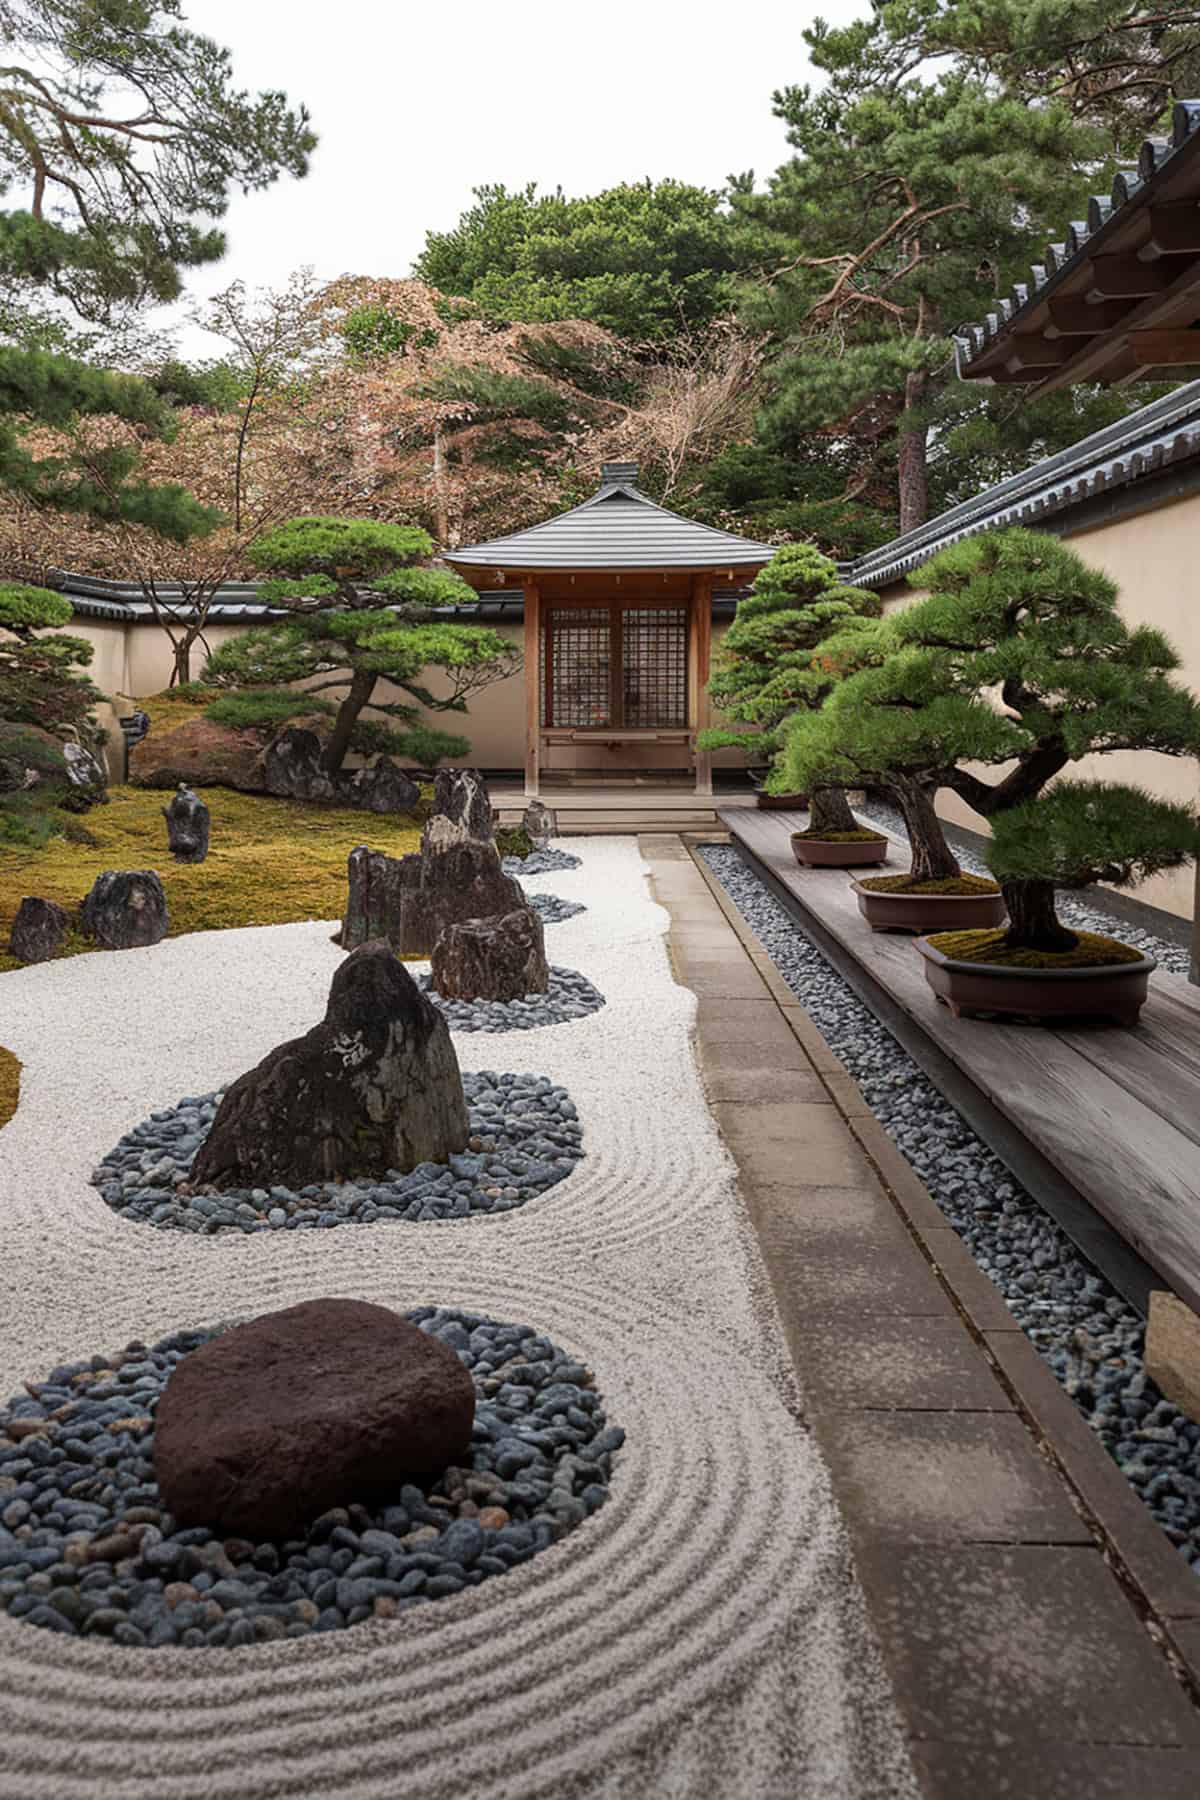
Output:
(858, 836)
(963, 886)
(1091, 951)
(765, 666)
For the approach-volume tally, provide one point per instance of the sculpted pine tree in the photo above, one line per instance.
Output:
(1018, 657)
(363, 614)
(766, 669)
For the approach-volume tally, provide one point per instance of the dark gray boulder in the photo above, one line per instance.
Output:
(38, 930)
(492, 959)
(383, 788)
(126, 909)
(462, 810)
(411, 900)
(188, 823)
(267, 1426)
(290, 766)
(383, 900)
(374, 1086)
(541, 824)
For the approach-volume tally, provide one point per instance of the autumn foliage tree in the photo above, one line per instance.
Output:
(363, 613)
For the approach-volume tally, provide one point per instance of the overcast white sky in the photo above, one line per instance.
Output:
(417, 104)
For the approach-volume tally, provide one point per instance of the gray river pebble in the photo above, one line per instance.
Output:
(87, 1550)
(551, 910)
(569, 996)
(540, 862)
(525, 1138)
(1090, 1336)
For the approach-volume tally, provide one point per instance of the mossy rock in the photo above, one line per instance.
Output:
(513, 841)
(952, 884)
(1091, 952)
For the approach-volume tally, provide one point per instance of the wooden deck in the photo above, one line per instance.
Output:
(1116, 1112)
(621, 807)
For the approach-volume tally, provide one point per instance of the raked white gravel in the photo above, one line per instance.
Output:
(701, 1636)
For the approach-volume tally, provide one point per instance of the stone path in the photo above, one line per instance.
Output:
(1041, 1635)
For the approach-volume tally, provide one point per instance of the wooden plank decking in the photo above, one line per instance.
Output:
(1116, 1112)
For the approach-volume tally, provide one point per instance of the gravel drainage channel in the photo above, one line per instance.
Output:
(1088, 1333)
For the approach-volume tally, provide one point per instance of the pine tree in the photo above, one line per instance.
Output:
(363, 612)
(1018, 656)
(41, 678)
(765, 667)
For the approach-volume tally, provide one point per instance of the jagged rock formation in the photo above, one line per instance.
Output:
(375, 1086)
(541, 824)
(492, 959)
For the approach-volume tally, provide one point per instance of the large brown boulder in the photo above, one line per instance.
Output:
(267, 1426)
(374, 1086)
(202, 754)
(492, 959)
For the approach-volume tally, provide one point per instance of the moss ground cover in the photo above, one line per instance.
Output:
(10, 1086)
(272, 862)
(1091, 952)
(904, 884)
(842, 837)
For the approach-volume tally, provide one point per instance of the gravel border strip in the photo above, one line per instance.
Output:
(1090, 1337)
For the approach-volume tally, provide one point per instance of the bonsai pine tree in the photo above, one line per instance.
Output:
(1018, 657)
(363, 613)
(41, 678)
(766, 668)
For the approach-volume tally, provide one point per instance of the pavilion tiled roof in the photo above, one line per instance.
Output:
(618, 528)
(1119, 297)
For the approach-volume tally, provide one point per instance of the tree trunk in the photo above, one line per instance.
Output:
(362, 686)
(932, 857)
(181, 668)
(1033, 922)
(441, 517)
(830, 812)
(913, 473)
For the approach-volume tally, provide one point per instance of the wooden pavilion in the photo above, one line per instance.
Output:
(618, 600)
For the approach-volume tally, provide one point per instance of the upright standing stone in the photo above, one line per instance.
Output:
(38, 930)
(267, 1426)
(126, 909)
(541, 824)
(462, 810)
(188, 822)
(383, 900)
(492, 959)
(374, 1086)
(411, 900)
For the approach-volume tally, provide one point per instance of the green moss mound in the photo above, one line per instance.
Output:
(904, 884)
(514, 841)
(10, 1086)
(1091, 952)
(272, 862)
(842, 837)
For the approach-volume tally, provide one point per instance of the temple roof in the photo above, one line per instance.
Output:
(618, 528)
(1119, 298)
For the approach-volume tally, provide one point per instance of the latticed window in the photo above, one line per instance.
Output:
(614, 667)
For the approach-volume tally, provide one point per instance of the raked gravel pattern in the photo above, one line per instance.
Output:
(525, 1138)
(1073, 909)
(569, 995)
(86, 1549)
(702, 1633)
(1090, 1336)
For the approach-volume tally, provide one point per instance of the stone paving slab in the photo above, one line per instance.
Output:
(1042, 1636)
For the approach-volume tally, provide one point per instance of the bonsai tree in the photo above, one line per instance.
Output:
(766, 668)
(363, 613)
(1017, 660)
(46, 702)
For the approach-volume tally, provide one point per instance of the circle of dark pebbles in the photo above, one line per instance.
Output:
(540, 862)
(87, 1549)
(569, 996)
(551, 910)
(525, 1138)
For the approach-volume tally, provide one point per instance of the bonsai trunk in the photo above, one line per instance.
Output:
(362, 686)
(830, 812)
(932, 857)
(1033, 922)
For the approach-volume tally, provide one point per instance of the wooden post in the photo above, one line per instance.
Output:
(699, 659)
(533, 689)
(1194, 972)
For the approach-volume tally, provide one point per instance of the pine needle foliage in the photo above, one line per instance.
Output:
(1019, 656)
(362, 614)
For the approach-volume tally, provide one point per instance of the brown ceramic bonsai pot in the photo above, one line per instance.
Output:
(929, 912)
(782, 802)
(828, 853)
(1115, 991)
